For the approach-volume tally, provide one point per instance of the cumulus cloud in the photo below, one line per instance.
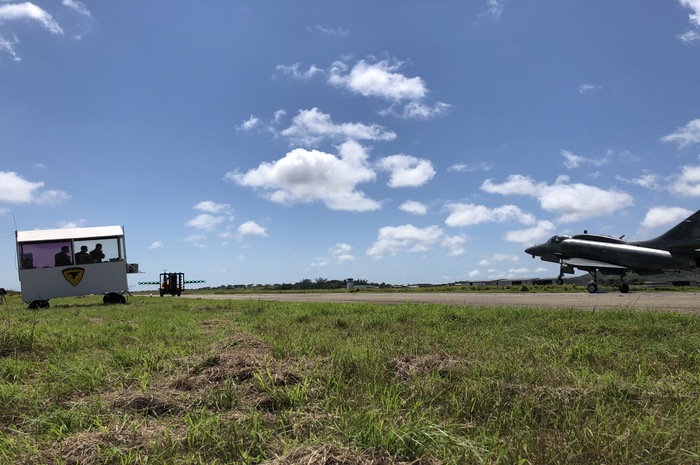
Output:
(205, 222)
(310, 127)
(664, 216)
(571, 160)
(215, 215)
(212, 207)
(310, 175)
(574, 202)
(537, 232)
(156, 245)
(249, 124)
(251, 228)
(693, 5)
(469, 214)
(686, 136)
(378, 80)
(338, 254)
(28, 11)
(416, 208)
(393, 239)
(407, 170)
(15, 189)
(688, 182)
(383, 79)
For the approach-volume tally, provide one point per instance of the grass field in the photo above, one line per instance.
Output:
(195, 381)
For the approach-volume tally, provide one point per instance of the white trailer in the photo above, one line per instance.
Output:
(72, 262)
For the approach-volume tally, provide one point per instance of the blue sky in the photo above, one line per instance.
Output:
(247, 142)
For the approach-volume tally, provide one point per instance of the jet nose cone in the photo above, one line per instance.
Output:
(531, 250)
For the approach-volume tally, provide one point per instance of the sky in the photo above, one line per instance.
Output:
(404, 142)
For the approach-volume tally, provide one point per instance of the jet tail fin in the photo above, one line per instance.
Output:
(683, 237)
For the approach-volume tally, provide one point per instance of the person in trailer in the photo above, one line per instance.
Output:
(62, 258)
(97, 254)
(83, 257)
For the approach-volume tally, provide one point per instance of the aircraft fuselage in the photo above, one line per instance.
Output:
(629, 256)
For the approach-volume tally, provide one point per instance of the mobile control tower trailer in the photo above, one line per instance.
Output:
(72, 262)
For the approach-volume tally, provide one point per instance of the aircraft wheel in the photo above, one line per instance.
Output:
(560, 281)
(593, 288)
(624, 288)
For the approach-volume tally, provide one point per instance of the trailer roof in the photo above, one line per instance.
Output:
(39, 235)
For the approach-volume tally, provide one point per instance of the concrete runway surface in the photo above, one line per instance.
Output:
(679, 301)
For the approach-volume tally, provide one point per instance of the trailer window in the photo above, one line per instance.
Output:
(45, 254)
(69, 252)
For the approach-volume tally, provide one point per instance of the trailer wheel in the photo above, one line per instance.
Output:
(112, 298)
(36, 304)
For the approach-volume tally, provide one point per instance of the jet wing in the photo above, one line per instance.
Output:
(585, 263)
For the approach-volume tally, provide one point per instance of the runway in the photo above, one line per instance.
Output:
(678, 301)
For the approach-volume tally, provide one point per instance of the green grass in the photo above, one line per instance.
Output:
(198, 381)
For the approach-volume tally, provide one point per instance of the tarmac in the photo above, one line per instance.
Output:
(662, 301)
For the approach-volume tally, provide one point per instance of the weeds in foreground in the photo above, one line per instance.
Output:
(174, 381)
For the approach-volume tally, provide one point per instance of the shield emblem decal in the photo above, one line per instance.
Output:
(74, 275)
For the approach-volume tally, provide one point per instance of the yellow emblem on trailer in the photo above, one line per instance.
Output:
(74, 275)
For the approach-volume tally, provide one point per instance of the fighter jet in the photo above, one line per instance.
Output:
(678, 249)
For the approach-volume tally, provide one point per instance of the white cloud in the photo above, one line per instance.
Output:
(77, 6)
(338, 32)
(664, 216)
(15, 189)
(541, 230)
(574, 202)
(454, 245)
(495, 9)
(685, 136)
(310, 175)
(251, 228)
(688, 182)
(249, 124)
(31, 12)
(689, 36)
(407, 170)
(8, 46)
(587, 88)
(341, 252)
(378, 80)
(310, 127)
(694, 5)
(293, 71)
(212, 207)
(156, 245)
(572, 161)
(470, 168)
(205, 222)
(646, 180)
(417, 110)
(195, 238)
(393, 239)
(470, 214)
(499, 258)
(411, 206)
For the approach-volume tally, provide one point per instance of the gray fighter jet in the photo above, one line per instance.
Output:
(676, 250)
